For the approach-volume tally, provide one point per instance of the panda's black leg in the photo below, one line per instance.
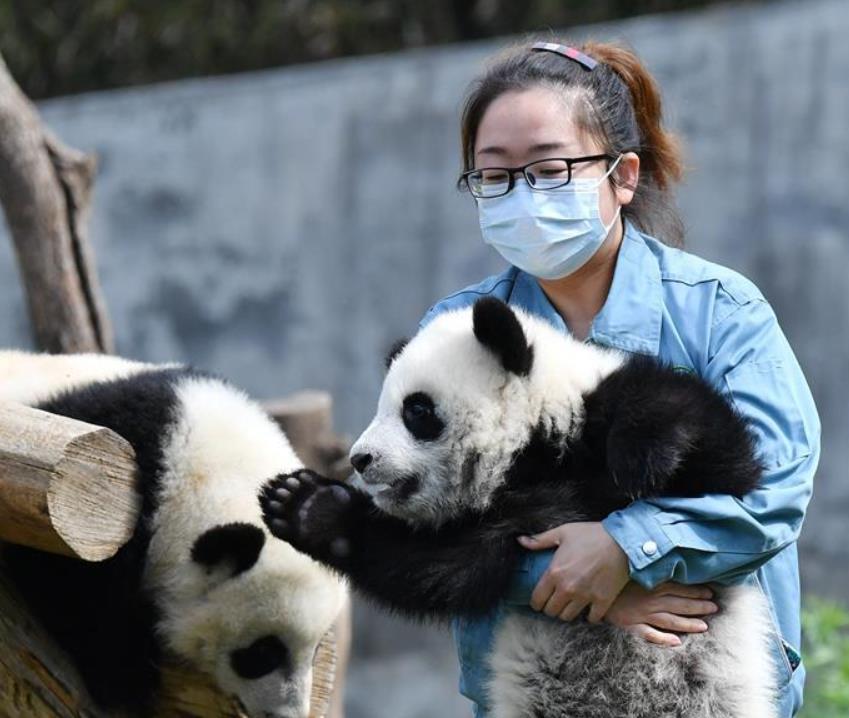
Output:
(312, 513)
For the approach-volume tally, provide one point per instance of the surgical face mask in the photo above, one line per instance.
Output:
(548, 233)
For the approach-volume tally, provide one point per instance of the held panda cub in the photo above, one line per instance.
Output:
(492, 424)
(198, 577)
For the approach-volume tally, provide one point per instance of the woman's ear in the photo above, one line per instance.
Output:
(627, 176)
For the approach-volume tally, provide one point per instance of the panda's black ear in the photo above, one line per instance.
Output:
(396, 348)
(498, 329)
(236, 546)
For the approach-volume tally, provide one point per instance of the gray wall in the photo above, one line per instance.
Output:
(284, 227)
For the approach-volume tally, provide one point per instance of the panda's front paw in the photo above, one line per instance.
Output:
(310, 512)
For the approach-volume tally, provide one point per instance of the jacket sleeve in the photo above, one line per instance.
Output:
(718, 537)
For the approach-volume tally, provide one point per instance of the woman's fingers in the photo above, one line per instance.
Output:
(536, 542)
(671, 588)
(652, 635)
(542, 592)
(679, 624)
(572, 610)
(555, 603)
(683, 606)
(597, 611)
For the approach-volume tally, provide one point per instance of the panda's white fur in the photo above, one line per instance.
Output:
(512, 434)
(29, 378)
(575, 669)
(219, 448)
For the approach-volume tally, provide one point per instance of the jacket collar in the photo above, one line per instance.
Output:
(632, 314)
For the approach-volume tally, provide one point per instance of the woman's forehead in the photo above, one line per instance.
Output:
(533, 122)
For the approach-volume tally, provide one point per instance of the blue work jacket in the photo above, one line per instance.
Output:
(704, 318)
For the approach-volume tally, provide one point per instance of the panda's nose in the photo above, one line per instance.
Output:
(361, 461)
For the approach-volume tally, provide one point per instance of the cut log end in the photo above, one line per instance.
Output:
(65, 486)
(93, 504)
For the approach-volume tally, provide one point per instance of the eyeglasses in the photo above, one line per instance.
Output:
(489, 182)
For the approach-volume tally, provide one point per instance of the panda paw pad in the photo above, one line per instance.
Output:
(308, 511)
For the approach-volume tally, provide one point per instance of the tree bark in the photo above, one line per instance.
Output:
(36, 679)
(45, 191)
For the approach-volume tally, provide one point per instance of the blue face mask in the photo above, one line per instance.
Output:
(546, 233)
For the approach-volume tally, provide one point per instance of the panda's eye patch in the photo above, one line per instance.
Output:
(419, 415)
(263, 656)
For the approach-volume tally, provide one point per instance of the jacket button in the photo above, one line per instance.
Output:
(649, 548)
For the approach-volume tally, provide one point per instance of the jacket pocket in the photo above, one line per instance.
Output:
(785, 658)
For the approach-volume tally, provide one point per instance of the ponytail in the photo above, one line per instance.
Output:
(623, 111)
(660, 151)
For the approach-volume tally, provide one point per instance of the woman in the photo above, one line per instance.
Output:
(572, 172)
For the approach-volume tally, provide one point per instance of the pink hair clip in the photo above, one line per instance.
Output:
(564, 50)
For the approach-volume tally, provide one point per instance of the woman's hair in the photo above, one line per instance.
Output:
(617, 103)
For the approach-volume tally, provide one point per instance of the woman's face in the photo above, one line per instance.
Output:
(527, 125)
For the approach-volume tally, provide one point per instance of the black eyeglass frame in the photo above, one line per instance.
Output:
(463, 181)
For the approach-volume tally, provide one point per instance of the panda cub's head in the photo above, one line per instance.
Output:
(461, 399)
(253, 618)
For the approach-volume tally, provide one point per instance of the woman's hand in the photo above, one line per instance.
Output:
(588, 569)
(669, 606)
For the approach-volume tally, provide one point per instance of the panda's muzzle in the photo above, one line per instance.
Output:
(402, 489)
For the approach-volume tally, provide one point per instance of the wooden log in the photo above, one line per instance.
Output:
(66, 487)
(307, 419)
(37, 680)
(45, 191)
(342, 634)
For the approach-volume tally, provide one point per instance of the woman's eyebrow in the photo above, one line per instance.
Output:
(540, 147)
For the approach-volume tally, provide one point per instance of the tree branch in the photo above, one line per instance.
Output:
(45, 191)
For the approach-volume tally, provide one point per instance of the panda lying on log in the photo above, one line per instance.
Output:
(492, 424)
(197, 577)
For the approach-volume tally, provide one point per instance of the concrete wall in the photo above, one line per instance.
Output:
(284, 227)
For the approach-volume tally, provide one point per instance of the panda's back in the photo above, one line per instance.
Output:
(31, 378)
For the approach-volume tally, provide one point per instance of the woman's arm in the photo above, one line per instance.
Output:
(719, 537)
(714, 537)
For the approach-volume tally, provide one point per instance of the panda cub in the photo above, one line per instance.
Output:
(492, 424)
(198, 577)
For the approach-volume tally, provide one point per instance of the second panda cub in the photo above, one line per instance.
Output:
(491, 424)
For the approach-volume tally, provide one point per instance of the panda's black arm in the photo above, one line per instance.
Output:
(462, 568)
(652, 431)
(452, 572)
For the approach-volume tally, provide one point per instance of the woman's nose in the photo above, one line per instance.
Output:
(361, 461)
